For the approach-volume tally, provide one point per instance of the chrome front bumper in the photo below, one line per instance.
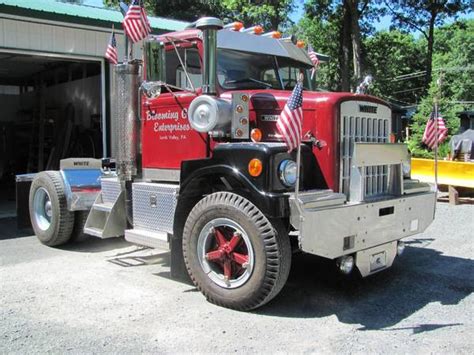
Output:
(335, 230)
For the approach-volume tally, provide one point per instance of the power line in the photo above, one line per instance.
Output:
(423, 72)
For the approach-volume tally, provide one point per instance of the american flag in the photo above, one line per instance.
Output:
(135, 23)
(313, 56)
(430, 138)
(111, 52)
(314, 59)
(290, 122)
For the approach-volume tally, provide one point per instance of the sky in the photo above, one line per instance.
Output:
(383, 24)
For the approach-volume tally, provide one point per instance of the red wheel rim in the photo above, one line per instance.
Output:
(226, 253)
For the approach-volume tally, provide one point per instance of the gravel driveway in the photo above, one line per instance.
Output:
(110, 296)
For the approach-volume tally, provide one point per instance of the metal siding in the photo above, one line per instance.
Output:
(61, 39)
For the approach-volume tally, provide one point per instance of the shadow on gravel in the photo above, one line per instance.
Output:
(419, 277)
(133, 258)
(9, 229)
(96, 245)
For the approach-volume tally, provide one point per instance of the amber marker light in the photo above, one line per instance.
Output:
(234, 26)
(239, 108)
(255, 167)
(244, 98)
(276, 34)
(258, 30)
(300, 44)
(256, 135)
(272, 34)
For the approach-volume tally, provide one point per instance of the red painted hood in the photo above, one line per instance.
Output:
(320, 118)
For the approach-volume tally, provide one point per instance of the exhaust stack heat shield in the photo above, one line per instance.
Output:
(127, 123)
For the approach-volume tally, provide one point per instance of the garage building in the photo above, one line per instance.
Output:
(54, 83)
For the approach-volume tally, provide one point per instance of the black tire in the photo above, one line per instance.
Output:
(270, 247)
(80, 218)
(57, 229)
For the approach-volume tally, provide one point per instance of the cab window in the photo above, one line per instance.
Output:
(175, 73)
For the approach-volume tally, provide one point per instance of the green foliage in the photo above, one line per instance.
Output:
(389, 55)
(324, 38)
(186, 10)
(271, 14)
(452, 60)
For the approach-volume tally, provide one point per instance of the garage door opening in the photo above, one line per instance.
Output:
(51, 109)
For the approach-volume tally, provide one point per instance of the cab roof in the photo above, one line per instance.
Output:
(246, 42)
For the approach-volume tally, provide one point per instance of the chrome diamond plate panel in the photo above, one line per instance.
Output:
(154, 206)
(111, 188)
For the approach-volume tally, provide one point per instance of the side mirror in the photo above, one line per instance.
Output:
(151, 89)
(155, 57)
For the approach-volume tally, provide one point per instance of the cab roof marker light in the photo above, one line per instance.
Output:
(234, 26)
(256, 30)
(300, 44)
(272, 34)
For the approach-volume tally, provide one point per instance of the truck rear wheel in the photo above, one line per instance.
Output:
(233, 253)
(51, 220)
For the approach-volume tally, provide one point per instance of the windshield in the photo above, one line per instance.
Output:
(243, 70)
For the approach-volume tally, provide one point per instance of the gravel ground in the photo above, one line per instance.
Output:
(110, 296)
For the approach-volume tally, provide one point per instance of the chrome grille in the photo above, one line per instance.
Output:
(357, 126)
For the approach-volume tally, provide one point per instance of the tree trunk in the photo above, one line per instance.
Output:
(345, 50)
(429, 54)
(355, 38)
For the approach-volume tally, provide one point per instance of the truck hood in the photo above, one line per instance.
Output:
(320, 109)
(276, 99)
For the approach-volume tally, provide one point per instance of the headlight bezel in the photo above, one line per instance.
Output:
(287, 172)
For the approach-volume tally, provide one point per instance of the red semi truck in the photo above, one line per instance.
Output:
(201, 169)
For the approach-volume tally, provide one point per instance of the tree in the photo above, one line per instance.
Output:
(423, 16)
(271, 14)
(453, 56)
(391, 56)
(351, 21)
(186, 10)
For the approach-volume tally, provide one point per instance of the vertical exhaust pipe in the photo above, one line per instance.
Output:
(127, 80)
(209, 27)
(127, 128)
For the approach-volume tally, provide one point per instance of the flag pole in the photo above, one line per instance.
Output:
(439, 82)
(436, 142)
(298, 171)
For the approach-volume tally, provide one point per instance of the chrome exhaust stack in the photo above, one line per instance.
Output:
(127, 122)
(209, 27)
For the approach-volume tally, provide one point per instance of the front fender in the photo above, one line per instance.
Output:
(272, 204)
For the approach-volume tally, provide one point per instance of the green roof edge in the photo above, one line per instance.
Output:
(80, 14)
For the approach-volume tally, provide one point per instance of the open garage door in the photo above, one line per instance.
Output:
(51, 109)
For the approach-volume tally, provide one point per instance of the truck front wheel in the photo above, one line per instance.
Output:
(233, 253)
(50, 218)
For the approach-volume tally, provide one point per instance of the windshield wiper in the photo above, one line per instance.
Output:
(249, 79)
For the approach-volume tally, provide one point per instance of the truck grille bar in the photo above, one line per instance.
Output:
(364, 122)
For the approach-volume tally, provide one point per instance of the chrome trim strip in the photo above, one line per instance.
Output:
(150, 174)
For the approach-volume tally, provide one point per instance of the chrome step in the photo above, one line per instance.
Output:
(94, 231)
(107, 217)
(152, 239)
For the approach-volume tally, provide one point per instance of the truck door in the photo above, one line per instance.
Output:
(167, 136)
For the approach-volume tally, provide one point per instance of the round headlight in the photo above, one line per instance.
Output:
(287, 172)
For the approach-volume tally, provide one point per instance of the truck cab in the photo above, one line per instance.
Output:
(202, 169)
